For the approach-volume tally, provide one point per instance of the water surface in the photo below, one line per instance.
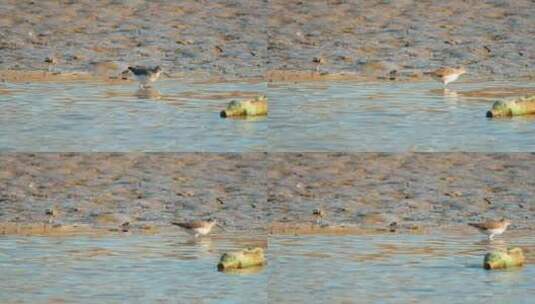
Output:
(320, 116)
(131, 269)
(395, 117)
(386, 268)
(81, 116)
(394, 269)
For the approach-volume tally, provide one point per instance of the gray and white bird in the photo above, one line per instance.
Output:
(145, 75)
(446, 75)
(492, 227)
(197, 228)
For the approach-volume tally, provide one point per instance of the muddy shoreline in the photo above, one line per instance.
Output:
(52, 193)
(271, 40)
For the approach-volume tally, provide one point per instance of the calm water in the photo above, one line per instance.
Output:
(394, 269)
(392, 117)
(81, 117)
(134, 269)
(180, 116)
(310, 269)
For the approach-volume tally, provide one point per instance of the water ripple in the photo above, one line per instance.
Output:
(333, 116)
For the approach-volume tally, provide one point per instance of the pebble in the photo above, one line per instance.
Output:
(52, 211)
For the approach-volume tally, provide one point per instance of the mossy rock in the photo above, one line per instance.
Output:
(252, 107)
(250, 257)
(513, 107)
(513, 257)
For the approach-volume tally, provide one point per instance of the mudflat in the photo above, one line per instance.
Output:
(50, 192)
(55, 193)
(275, 40)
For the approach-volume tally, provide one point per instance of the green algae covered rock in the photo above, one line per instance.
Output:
(513, 257)
(250, 257)
(252, 107)
(513, 107)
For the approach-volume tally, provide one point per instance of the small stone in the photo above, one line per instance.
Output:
(453, 194)
(318, 212)
(125, 224)
(147, 227)
(184, 41)
(51, 60)
(319, 60)
(51, 211)
(218, 50)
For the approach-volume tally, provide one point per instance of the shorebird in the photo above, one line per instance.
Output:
(197, 228)
(319, 61)
(145, 75)
(447, 75)
(492, 227)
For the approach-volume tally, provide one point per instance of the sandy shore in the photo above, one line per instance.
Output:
(276, 40)
(276, 193)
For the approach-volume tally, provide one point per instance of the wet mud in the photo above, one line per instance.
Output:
(397, 192)
(277, 40)
(278, 193)
(138, 193)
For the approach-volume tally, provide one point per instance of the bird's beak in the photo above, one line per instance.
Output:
(167, 74)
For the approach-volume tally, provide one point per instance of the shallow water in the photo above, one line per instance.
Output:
(394, 269)
(132, 269)
(313, 269)
(393, 117)
(318, 116)
(81, 117)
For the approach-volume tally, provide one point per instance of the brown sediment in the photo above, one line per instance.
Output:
(41, 76)
(390, 193)
(498, 92)
(297, 75)
(293, 228)
(46, 76)
(307, 76)
(116, 77)
(244, 239)
(276, 193)
(384, 36)
(47, 229)
(218, 96)
(103, 191)
(245, 38)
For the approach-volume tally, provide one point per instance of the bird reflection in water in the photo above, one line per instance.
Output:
(148, 93)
